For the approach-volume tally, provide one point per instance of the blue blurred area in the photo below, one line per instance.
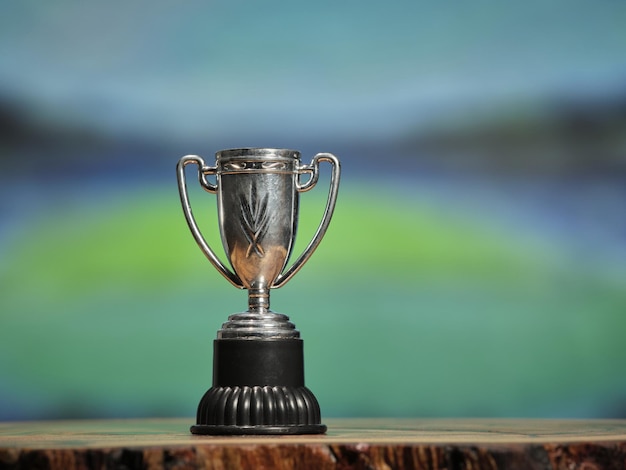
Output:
(476, 264)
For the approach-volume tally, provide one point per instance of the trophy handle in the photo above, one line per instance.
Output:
(313, 168)
(203, 171)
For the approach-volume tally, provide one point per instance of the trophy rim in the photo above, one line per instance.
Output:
(257, 152)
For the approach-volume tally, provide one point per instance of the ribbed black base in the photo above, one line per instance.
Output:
(258, 388)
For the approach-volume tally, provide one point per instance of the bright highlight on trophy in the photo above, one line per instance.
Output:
(258, 364)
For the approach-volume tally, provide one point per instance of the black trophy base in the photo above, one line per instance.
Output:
(258, 388)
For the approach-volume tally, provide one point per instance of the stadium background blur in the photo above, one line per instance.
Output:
(476, 263)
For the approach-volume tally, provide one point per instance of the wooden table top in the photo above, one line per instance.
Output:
(349, 443)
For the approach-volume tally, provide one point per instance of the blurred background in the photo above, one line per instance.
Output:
(476, 263)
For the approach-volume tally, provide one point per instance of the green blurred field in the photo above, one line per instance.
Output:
(109, 309)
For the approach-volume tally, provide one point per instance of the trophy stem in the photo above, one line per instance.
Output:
(258, 300)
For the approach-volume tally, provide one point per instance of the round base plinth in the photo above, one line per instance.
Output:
(207, 429)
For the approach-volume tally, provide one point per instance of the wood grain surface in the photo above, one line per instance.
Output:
(349, 443)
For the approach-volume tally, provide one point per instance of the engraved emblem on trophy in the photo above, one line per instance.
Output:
(258, 364)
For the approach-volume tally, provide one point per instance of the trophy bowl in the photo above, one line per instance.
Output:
(258, 363)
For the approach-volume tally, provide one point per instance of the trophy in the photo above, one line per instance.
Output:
(258, 363)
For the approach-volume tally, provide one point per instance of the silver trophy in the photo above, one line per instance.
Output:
(258, 365)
